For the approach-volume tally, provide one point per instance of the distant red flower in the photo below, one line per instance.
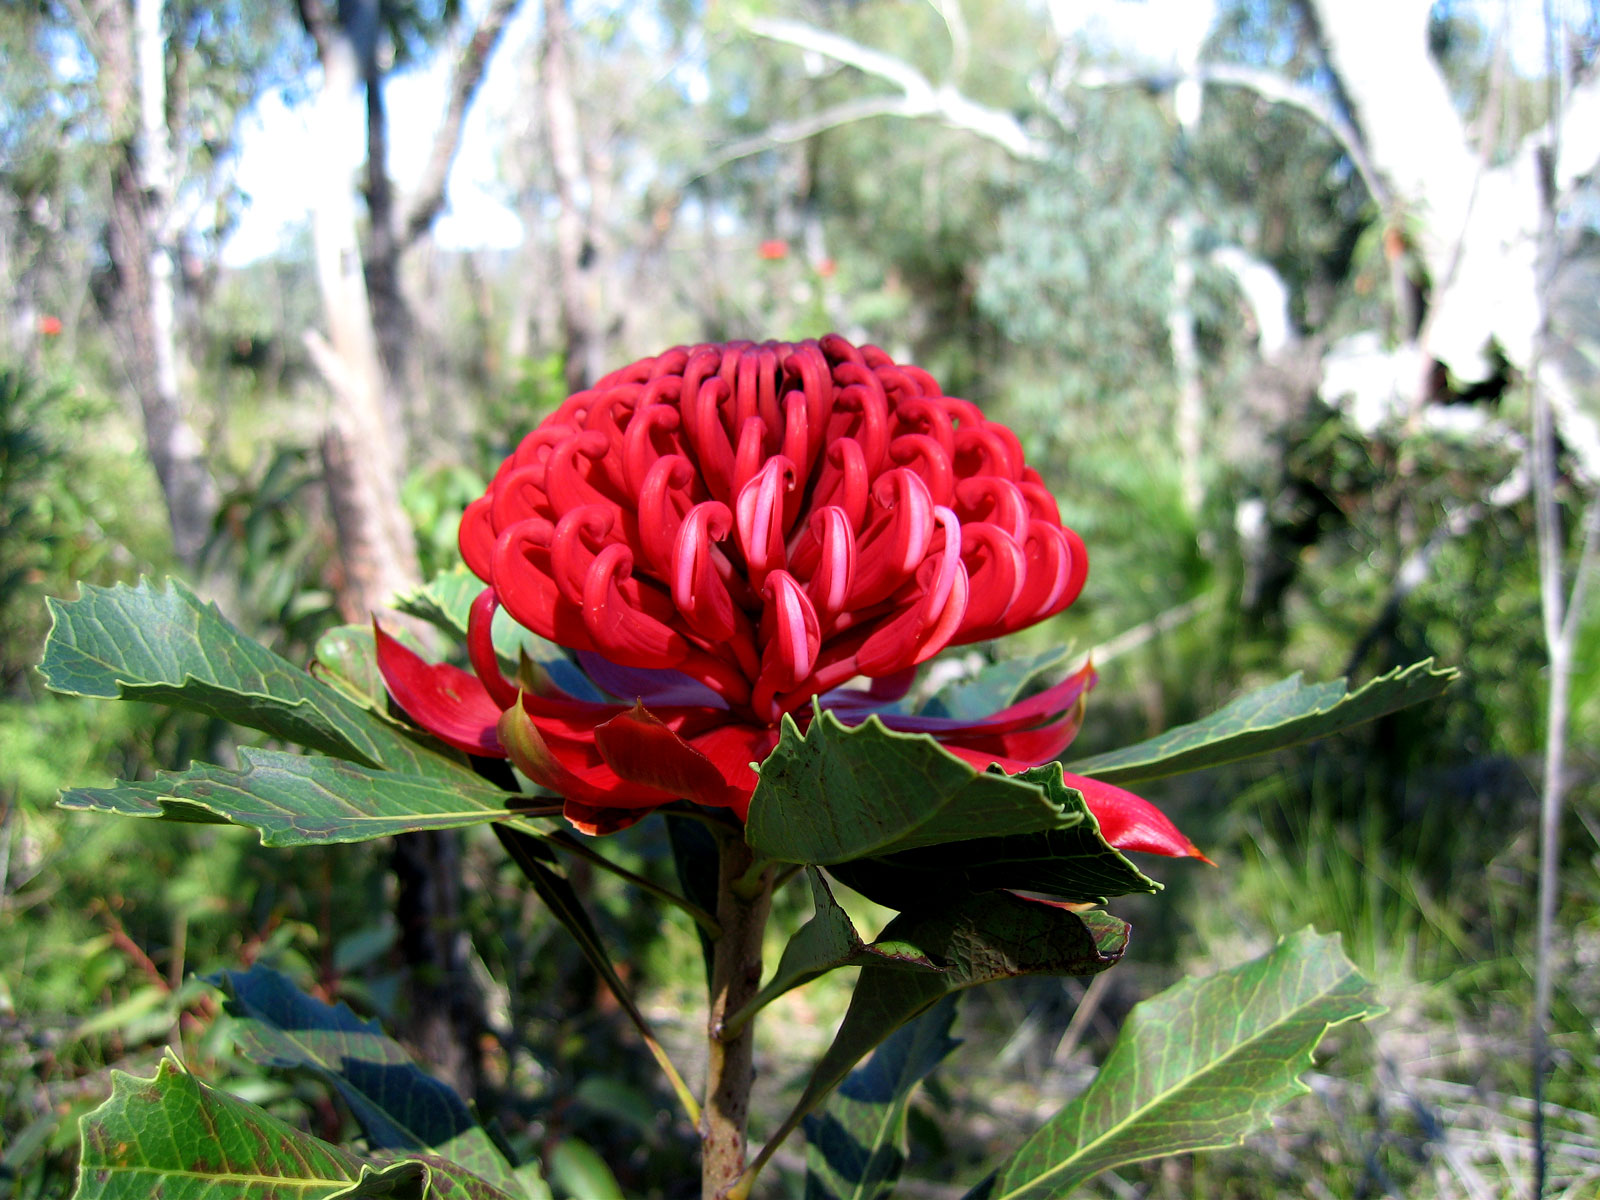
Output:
(773, 249)
(827, 268)
(49, 326)
(722, 533)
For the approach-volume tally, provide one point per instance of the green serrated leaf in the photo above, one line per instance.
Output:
(1285, 714)
(995, 686)
(399, 1108)
(294, 799)
(164, 645)
(446, 601)
(856, 1144)
(837, 793)
(825, 943)
(976, 940)
(1198, 1067)
(173, 1136)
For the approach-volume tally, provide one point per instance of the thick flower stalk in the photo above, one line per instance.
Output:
(724, 532)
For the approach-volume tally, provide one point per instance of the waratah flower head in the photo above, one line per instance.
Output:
(771, 520)
(723, 534)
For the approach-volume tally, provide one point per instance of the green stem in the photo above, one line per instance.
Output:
(744, 898)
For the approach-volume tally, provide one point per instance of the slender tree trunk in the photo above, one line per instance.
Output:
(364, 450)
(1189, 423)
(447, 1017)
(576, 252)
(392, 322)
(361, 444)
(378, 551)
(132, 75)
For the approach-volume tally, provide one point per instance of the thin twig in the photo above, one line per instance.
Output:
(1088, 1007)
(1164, 622)
(573, 845)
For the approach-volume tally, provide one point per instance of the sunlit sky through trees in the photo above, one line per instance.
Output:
(271, 160)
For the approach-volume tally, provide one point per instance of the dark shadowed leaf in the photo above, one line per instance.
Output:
(1073, 862)
(856, 1143)
(979, 939)
(1285, 714)
(694, 855)
(164, 645)
(1198, 1067)
(293, 799)
(174, 1136)
(837, 793)
(400, 1108)
(824, 943)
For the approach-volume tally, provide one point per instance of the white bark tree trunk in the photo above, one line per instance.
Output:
(360, 447)
(1476, 227)
(132, 69)
(576, 246)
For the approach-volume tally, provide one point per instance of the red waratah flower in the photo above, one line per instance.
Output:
(724, 532)
(49, 326)
(773, 249)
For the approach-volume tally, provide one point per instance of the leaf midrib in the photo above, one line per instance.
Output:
(1133, 1117)
(168, 1172)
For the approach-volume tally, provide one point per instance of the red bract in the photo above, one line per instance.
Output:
(723, 533)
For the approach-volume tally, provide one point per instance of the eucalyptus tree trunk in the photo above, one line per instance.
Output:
(129, 43)
(362, 458)
(361, 444)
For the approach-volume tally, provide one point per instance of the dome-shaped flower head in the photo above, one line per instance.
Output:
(724, 532)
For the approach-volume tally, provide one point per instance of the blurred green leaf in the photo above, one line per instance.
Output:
(618, 1101)
(1198, 1067)
(995, 686)
(296, 799)
(579, 1173)
(398, 1107)
(856, 1144)
(1285, 714)
(133, 1012)
(143, 644)
(173, 1135)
